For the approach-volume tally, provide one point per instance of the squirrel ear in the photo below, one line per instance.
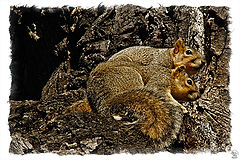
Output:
(177, 71)
(178, 47)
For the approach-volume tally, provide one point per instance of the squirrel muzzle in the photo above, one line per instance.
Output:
(194, 66)
(193, 95)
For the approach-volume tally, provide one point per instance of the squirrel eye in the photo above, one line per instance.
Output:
(189, 52)
(189, 82)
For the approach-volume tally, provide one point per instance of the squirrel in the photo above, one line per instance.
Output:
(154, 106)
(166, 57)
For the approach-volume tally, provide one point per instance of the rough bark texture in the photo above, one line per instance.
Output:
(76, 40)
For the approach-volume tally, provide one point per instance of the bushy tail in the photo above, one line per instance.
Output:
(156, 115)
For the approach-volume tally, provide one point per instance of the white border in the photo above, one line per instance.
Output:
(5, 76)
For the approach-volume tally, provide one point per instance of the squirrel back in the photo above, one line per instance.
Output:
(108, 80)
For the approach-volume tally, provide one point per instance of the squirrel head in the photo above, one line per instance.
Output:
(189, 57)
(183, 88)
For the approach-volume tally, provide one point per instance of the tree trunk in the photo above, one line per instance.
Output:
(77, 40)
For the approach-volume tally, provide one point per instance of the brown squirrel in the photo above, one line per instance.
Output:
(153, 106)
(166, 57)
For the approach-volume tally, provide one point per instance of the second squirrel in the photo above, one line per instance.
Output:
(154, 106)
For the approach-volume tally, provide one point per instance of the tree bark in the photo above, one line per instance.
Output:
(83, 38)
